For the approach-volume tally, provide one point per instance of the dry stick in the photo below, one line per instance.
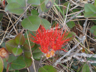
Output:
(64, 24)
(87, 35)
(73, 8)
(84, 26)
(74, 16)
(68, 53)
(16, 22)
(31, 53)
(83, 60)
(71, 55)
(81, 19)
(12, 23)
(60, 18)
(5, 34)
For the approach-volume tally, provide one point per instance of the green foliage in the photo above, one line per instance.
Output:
(32, 23)
(17, 46)
(19, 39)
(34, 2)
(17, 63)
(95, 3)
(10, 45)
(71, 24)
(21, 62)
(37, 54)
(85, 68)
(1, 64)
(1, 16)
(47, 68)
(17, 51)
(93, 30)
(90, 10)
(46, 5)
(14, 8)
(34, 12)
(45, 23)
(15, 43)
(93, 59)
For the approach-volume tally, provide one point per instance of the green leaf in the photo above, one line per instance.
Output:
(42, 6)
(26, 47)
(19, 63)
(34, 12)
(85, 68)
(10, 44)
(71, 24)
(90, 14)
(20, 2)
(16, 71)
(19, 39)
(45, 23)
(27, 54)
(93, 30)
(28, 62)
(6, 64)
(11, 58)
(95, 3)
(17, 51)
(46, 5)
(71, 35)
(14, 8)
(37, 54)
(31, 23)
(59, 9)
(34, 2)
(90, 10)
(10, 1)
(1, 65)
(1, 16)
(47, 68)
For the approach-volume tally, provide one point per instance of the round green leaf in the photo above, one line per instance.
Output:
(19, 39)
(34, 2)
(90, 10)
(20, 2)
(26, 47)
(45, 23)
(93, 30)
(71, 24)
(47, 68)
(28, 62)
(17, 51)
(27, 54)
(1, 65)
(45, 5)
(11, 58)
(90, 14)
(37, 54)
(14, 8)
(10, 45)
(10, 1)
(31, 23)
(19, 63)
(85, 68)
